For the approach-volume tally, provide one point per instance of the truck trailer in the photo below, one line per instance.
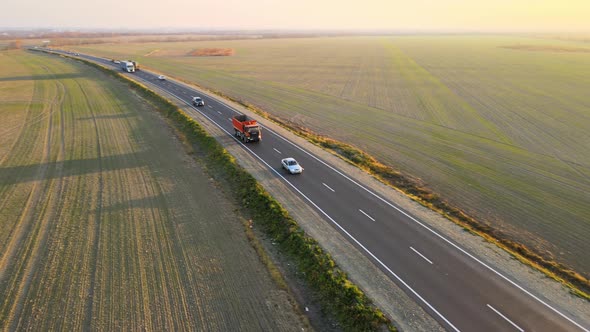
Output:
(246, 129)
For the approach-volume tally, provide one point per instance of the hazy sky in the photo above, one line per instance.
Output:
(496, 15)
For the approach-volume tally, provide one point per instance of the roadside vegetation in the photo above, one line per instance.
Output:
(498, 134)
(107, 224)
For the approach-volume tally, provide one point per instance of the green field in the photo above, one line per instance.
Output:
(497, 125)
(106, 223)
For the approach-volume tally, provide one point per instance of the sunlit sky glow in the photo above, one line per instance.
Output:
(428, 15)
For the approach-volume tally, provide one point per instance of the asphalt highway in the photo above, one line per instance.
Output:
(458, 289)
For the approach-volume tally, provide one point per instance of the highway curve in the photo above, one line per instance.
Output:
(458, 289)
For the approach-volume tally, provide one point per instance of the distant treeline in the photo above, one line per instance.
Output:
(48, 35)
(143, 39)
(73, 38)
(104, 37)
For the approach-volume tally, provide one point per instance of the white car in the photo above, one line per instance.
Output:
(162, 78)
(292, 166)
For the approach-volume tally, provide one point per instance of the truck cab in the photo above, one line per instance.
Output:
(253, 133)
(128, 66)
(246, 129)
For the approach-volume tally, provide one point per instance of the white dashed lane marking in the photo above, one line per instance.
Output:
(419, 254)
(325, 185)
(368, 216)
(506, 318)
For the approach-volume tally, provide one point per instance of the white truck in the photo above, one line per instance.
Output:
(128, 66)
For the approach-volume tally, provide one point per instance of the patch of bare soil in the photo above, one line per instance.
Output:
(165, 53)
(212, 52)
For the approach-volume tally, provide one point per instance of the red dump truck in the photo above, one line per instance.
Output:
(246, 129)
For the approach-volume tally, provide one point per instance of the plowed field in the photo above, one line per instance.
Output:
(107, 224)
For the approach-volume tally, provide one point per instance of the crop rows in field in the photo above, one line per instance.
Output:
(501, 133)
(106, 224)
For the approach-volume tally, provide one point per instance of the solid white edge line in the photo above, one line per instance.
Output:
(506, 318)
(426, 259)
(366, 215)
(327, 216)
(277, 151)
(325, 185)
(396, 208)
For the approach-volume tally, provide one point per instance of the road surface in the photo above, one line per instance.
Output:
(458, 289)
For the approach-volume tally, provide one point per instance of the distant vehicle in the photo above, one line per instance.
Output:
(116, 61)
(291, 165)
(162, 78)
(246, 129)
(198, 101)
(127, 66)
